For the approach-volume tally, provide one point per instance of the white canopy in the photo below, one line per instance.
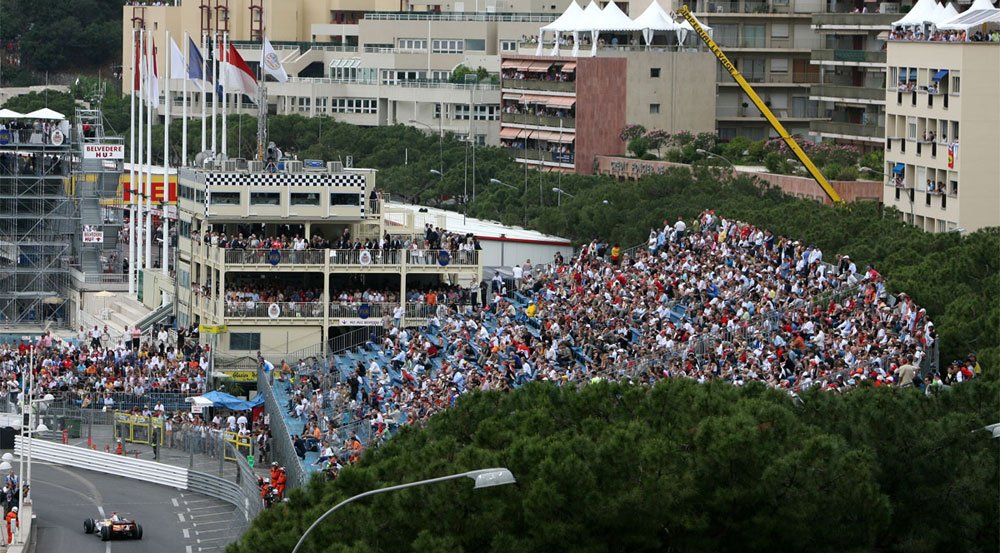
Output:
(918, 14)
(614, 19)
(950, 12)
(10, 114)
(971, 19)
(568, 21)
(981, 5)
(937, 15)
(44, 113)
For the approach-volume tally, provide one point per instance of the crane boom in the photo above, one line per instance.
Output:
(685, 12)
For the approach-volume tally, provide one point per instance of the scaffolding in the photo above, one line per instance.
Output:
(38, 221)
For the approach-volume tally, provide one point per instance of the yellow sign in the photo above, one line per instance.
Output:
(213, 329)
(138, 429)
(242, 376)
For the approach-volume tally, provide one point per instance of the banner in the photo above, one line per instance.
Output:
(241, 376)
(103, 151)
(952, 152)
(93, 235)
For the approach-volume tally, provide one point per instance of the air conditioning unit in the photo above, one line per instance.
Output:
(241, 164)
(888, 7)
(293, 166)
(230, 166)
(255, 166)
(335, 167)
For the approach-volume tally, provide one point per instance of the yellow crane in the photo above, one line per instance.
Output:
(685, 12)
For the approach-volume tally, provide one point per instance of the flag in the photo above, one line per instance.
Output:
(271, 63)
(154, 79)
(136, 69)
(195, 63)
(177, 69)
(238, 76)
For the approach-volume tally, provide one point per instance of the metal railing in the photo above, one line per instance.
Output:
(361, 258)
(354, 338)
(538, 84)
(461, 16)
(283, 310)
(371, 310)
(282, 447)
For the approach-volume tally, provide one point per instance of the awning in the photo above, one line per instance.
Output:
(553, 136)
(534, 99)
(540, 66)
(899, 168)
(509, 64)
(510, 132)
(940, 75)
(560, 101)
(512, 96)
(569, 67)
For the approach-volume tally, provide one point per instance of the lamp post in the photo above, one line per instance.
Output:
(710, 154)
(561, 193)
(524, 209)
(483, 478)
(440, 138)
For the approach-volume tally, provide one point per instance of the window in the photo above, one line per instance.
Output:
(413, 44)
(441, 76)
(437, 110)
(225, 198)
(779, 65)
(753, 69)
(955, 83)
(264, 198)
(303, 198)
(654, 108)
(753, 36)
(508, 45)
(304, 103)
(354, 105)
(654, 72)
(448, 46)
(911, 128)
(344, 199)
(726, 35)
(779, 30)
(244, 341)
(475, 44)
(727, 133)
(489, 112)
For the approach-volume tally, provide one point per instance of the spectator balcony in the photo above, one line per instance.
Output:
(336, 313)
(835, 22)
(539, 85)
(847, 94)
(863, 58)
(539, 120)
(853, 131)
(336, 261)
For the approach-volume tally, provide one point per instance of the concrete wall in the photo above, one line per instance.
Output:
(803, 187)
(684, 91)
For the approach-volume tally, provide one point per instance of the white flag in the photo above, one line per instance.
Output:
(271, 63)
(178, 69)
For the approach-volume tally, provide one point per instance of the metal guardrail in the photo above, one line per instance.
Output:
(108, 463)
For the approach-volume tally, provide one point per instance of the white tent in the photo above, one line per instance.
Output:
(917, 14)
(937, 15)
(981, 5)
(972, 19)
(10, 114)
(569, 21)
(950, 12)
(45, 113)
(654, 19)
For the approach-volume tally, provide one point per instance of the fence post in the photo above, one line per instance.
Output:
(222, 455)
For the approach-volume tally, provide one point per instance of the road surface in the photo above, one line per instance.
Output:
(173, 521)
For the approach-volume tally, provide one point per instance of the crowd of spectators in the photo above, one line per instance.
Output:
(34, 164)
(724, 301)
(918, 35)
(38, 131)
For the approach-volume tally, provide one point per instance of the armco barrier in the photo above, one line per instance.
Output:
(240, 494)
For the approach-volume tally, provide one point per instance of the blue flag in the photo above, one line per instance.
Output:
(195, 62)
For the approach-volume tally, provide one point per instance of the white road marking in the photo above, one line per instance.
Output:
(174, 501)
(180, 516)
(200, 532)
(101, 510)
(188, 549)
(187, 535)
(108, 548)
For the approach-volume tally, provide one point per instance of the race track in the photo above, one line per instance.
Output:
(173, 521)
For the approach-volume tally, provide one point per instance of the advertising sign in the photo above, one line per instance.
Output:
(103, 151)
(93, 234)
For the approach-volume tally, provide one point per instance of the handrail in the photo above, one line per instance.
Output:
(284, 449)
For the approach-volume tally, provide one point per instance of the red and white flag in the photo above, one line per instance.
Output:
(153, 98)
(238, 75)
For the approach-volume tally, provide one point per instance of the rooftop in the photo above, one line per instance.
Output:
(456, 222)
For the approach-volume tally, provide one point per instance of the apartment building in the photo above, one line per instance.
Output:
(942, 134)
(852, 78)
(557, 112)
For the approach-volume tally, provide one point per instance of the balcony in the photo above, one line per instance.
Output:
(548, 86)
(849, 94)
(535, 154)
(849, 130)
(340, 313)
(848, 57)
(853, 21)
(336, 260)
(543, 121)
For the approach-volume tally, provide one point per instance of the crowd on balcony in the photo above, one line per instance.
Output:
(555, 148)
(25, 131)
(918, 35)
(553, 74)
(708, 299)
(537, 109)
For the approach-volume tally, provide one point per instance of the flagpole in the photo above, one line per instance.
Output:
(204, 99)
(215, 82)
(166, 153)
(141, 157)
(131, 174)
(261, 102)
(184, 108)
(225, 95)
(150, 65)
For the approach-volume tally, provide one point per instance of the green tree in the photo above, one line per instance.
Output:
(58, 101)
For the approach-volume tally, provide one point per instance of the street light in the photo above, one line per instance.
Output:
(501, 183)
(524, 206)
(484, 478)
(440, 138)
(436, 173)
(710, 154)
(561, 193)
